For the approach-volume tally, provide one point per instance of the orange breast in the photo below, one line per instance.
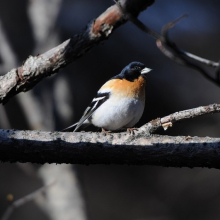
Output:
(125, 88)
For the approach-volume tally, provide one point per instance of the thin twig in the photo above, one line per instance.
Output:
(168, 121)
(170, 25)
(16, 204)
(182, 57)
(169, 48)
(201, 59)
(137, 22)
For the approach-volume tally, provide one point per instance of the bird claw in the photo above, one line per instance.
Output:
(131, 130)
(105, 132)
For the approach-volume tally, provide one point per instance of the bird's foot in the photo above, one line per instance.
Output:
(105, 132)
(131, 130)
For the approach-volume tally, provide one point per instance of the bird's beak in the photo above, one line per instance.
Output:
(145, 70)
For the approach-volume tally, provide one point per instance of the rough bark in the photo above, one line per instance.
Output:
(35, 68)
(116, 148)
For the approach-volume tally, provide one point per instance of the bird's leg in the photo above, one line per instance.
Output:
(106, 132)
(131, 130)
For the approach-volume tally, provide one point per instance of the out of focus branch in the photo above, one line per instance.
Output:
(6, 53)
(115, 148)
(16, 204)
(4, 121)
(65, 200)
(35, 68)
(170, 49)
(182, 57)
(166, 41)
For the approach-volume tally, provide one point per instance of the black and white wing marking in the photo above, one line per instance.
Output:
(96, 102)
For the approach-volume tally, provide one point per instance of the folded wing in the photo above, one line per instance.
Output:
(96, 102)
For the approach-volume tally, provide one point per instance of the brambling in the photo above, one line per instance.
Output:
(119, 103)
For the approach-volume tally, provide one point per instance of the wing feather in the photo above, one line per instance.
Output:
(96, 102)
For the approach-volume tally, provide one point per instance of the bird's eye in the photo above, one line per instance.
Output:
(136, 68)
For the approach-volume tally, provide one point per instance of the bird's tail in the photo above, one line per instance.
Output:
(75, 127)
(70, 128)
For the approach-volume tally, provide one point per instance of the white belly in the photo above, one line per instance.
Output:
(123, 115)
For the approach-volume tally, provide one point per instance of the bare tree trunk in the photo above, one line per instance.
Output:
(64, 200)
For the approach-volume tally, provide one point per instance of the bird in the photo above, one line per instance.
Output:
(119, 103)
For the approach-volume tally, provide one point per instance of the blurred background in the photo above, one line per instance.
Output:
(100, 192)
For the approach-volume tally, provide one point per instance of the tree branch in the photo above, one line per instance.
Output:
(16, 204)
(35, 68)
(115, 148)
(170, 49)
(65, 200)
(168, 121)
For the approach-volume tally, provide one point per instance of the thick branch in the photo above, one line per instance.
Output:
(116, 148)
(35, 68)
